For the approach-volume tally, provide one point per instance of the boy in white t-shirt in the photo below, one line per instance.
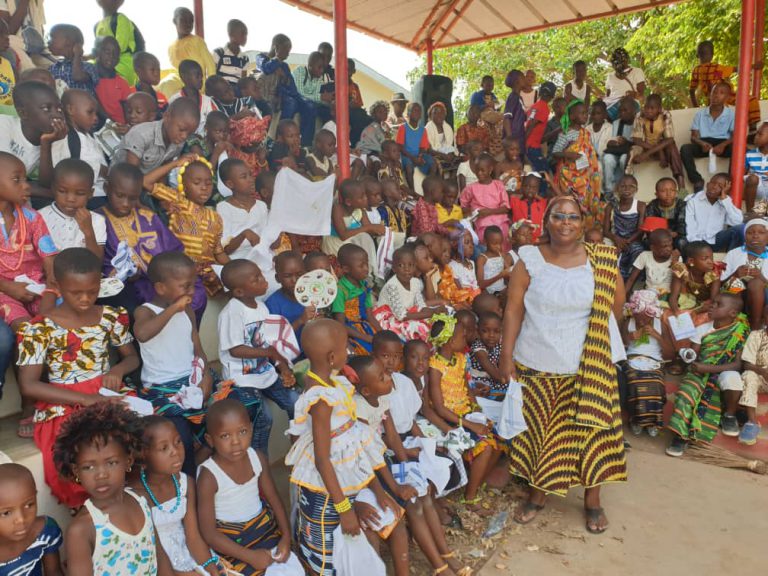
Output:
(243, 215)
(69, 222)
(81, 112)
(256, 348)
(655, 263)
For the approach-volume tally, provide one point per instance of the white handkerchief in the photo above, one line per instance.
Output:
(139, 405)
(32, 286)
(123, 262)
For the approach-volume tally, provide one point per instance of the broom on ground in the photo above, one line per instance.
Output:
(711, 454)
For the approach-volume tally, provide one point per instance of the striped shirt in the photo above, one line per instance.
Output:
(229, 65)
(30, 562)
(757, 163)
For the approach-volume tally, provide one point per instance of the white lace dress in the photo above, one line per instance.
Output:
(170, 529)
(356, 450)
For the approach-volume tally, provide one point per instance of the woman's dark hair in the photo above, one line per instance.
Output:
(96, 424)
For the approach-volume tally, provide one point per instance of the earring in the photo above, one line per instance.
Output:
(77, 480)
(129, 469)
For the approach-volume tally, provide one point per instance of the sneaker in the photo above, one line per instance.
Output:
(729, 425)
(749, 433)
(676, 447)
(653, 431)
(636, 429)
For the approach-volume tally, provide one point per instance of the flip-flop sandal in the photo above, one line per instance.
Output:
(593, 518)
(527, 508)
(26, 427)
(465, 571)
(474, 505)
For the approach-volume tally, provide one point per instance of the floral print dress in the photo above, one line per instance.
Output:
(116, 551)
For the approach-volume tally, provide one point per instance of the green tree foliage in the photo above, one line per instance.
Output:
(661, 41)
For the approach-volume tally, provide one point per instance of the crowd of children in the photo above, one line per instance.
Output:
(150, 204)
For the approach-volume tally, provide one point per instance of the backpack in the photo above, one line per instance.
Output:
(138, 39)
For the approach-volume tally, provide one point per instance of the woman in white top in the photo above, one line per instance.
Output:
(441, 137)
(623, 81)
(561, 341)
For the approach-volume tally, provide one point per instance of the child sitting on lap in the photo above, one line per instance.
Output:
(34, 547)
(256, 349)
(72, 342)
(172, 355)
(240, 512)
(656, 264)
(462, 265)
(353, 306)
(401, 307)
(448, 287)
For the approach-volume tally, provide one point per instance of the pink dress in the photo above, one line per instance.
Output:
(493, 195)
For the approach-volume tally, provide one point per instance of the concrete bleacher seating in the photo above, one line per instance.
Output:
(25, 452)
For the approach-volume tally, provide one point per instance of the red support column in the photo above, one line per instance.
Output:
(199, 19)
(430, 56)
(342, 85)
(757, 75)
(742, 99)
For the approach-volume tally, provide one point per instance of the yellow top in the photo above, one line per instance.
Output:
(192, 48)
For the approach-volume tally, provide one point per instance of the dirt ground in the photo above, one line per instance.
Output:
(674, 516)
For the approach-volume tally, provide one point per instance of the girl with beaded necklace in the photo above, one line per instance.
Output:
(172, 498)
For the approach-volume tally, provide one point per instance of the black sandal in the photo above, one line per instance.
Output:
(593, 519)
(527, 508)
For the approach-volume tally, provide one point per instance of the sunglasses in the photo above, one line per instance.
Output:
(561, 217)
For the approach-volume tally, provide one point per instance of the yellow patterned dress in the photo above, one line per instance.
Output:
(199, 228)
(454, 386)
(574, 434)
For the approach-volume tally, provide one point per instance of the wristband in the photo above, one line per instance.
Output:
(343, 506)
(212, 560)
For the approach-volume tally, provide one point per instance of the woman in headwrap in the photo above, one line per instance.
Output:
(441, 137)
(562, 342)
(625, 80)
(577, 166)
(247, 136)
(514, 113)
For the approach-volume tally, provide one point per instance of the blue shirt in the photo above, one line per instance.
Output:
(62, 70)
(279, 303)
(480, 98)
(720, 127)
(757, 163)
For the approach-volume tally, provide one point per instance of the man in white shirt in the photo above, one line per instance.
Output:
(711, 216)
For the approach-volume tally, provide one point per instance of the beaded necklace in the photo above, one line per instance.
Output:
(21, 236)
(176, 486)
(348, 402)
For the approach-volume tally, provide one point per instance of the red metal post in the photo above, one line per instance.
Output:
(742, 99)
(199, 19)
(757, 75)
(430, 56)
(341, 85)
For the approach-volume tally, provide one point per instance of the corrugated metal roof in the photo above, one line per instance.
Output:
(409, 23)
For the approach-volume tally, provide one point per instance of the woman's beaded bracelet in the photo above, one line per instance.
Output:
(212, 560)
(343, 506)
